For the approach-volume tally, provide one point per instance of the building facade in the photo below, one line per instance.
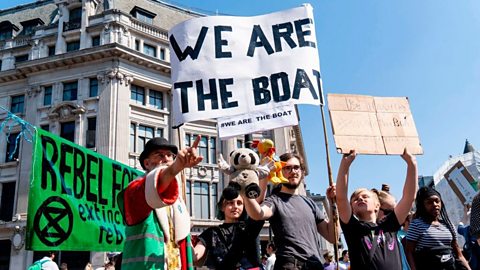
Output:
(97, 72)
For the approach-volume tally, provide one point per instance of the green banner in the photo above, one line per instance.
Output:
(72, 202)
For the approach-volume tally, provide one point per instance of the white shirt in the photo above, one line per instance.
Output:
(270, 262)
(49, 264)
(343, 265)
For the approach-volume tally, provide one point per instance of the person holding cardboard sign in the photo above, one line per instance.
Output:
(373, 243)
(158, 223)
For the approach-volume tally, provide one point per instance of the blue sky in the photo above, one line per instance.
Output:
(426, 50)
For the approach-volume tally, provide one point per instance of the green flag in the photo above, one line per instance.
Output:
(72, 202)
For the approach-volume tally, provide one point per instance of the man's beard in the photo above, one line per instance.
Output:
(291, 186)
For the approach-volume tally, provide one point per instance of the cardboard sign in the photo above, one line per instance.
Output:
(225, 65)
(257, 121)
(460, 180)
(373, 125)
(72, 203)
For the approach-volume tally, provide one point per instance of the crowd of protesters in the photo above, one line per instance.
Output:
(380, 232)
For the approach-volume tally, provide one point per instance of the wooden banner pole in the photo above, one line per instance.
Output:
(333, 206)
(181, 145)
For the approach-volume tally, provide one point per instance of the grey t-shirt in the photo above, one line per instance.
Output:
(294, 224)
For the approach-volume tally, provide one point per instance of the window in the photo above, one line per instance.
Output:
(138, 138)
(159, 132)
(137, 45)
(203, 148)
(13, 148)
(188, 187)
(5, 247)
(137, 94)
(73, 46)
(21, 58)
(214, 196)
(6, 30)
(75, 20)
(143, 15)
(213, 150)
(132, 138)
(240, 143)
(51, 50)
(67, 131)
(95, 41)
(17, 104)
(149, 50)
(47, 95)
(206, 147)
(7, 200)
(30, 25)
(91, 132)
(188, 140)
(201, 200)
(144, 135)
(162, 54)
(76, 14)
(93, 87)
(70, 91)
(5, 34)
(155, 98)
(29, 29)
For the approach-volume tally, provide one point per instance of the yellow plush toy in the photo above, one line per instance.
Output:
(266, 149)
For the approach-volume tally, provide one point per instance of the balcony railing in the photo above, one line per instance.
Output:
(21, 41)
(67, 26)
(149, 29)
(15, 42)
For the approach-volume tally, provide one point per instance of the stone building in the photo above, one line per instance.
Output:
(97, 73)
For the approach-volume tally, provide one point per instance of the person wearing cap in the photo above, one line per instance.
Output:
(158, 223)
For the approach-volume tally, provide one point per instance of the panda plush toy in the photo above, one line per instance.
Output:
(244, 171)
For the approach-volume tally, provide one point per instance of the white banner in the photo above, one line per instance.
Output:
(257, 121)
(225, 65)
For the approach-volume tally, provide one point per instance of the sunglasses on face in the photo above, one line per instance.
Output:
(291, 168)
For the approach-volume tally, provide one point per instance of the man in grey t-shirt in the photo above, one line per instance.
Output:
(295, 220)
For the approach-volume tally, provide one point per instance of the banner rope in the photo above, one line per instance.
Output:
(27, 130)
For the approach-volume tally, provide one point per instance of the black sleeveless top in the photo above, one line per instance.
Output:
(232, 245)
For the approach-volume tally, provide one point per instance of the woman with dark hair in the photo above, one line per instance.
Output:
(233, 244)
(431, 237)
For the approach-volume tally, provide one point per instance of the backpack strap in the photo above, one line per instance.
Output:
(41, 262)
